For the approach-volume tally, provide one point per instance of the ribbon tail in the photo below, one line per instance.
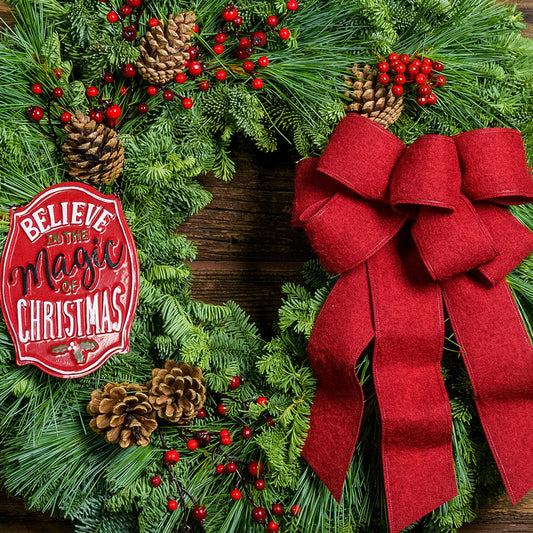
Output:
(499, 358)
(342, 331)
(416, 417)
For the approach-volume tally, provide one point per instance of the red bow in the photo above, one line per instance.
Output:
(408, 228)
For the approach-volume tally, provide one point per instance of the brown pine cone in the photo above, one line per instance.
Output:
(93, 151)
(177, 391)
(122, 411)
(371, 99)
(163, 49)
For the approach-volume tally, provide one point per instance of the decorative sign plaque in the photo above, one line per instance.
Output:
(70, 280)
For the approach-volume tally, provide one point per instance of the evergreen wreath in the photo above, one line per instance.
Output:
(259, 391)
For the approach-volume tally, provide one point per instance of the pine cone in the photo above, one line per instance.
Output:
(93, 151)
(163, 49)
(177, 391)
(370, 98)
(122, 411)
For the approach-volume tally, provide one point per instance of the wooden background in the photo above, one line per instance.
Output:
(246, 251)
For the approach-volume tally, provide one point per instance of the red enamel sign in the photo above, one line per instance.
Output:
(70, 280)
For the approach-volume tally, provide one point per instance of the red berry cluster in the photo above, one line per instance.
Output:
(404, 69)
(37, 113)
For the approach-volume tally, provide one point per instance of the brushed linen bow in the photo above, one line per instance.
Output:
(411, 230)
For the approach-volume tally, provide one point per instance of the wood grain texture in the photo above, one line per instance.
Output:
(246, 251)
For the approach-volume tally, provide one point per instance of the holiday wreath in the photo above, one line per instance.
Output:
(201, 425)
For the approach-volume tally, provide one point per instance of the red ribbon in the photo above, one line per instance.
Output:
(409, 228)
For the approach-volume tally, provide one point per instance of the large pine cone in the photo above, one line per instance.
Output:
(370, 98)
(177, 391)
(93, 151)
(163, 49)
(122, 411)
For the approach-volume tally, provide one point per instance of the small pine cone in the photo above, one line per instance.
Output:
(177, 391)
(122, 411)
(370, 98)
(93, 151)
(163, 49)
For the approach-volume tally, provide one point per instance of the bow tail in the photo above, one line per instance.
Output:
(416, 417)
(342, 331)
(499, 358)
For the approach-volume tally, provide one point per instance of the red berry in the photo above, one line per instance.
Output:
(220, 38)
(424, 90)
(399, 79)
(65, 117)
(152, 90)
(192, 444)
(172, 505)
(259, 515)
(35, 113)
(125, 10)
(168, 95)
(199, 512)
(277, 509)
(242, 53)
(393, 57)
(432, 98)
(226, 441)
(397, 90)
(425, 69)
(235, 381)
(259, 484)
(57, 92)
(220, 469)
(204, 85)
(202, 413)
(193, 52)
(427, 61)
(221, 75)
(231, 467)
(262, 401)
(257, 83)
(123, 91)
(383, 66)
(129, 70)
(172, 457)
(284, 33)
(270, 421)
(295, 509)
(108, 77)
(413, 69)
(399, 68)
(236, 494)
(181, 78)
(36, 88)
(256, 468)
(187, 103)
(421, 79)
(272, 526)
(263, 61)
(259, 38)
(155, 481)
(96, 115)
(438, 66)
(134, 3)
(218, 49)
(416, 62)
(91, 92)
(272, 21)
(246, 433)
(237, 21)
(225, 433)
(194, 28)
(404, 58)
(383, 79)
(195, 69)
(222, 409)
(422, 100)
(229, 14)
(112, 16)
(245, 43)
(58, 73)
(292, 5)
(153, 23)
(440, 81)
(248, 66)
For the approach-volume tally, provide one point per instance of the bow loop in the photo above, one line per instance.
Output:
(428, 173)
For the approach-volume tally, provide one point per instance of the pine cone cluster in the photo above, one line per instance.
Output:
(93, 151)
(177, 391)
(163, 49)
(371, 99)
(123, 413)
